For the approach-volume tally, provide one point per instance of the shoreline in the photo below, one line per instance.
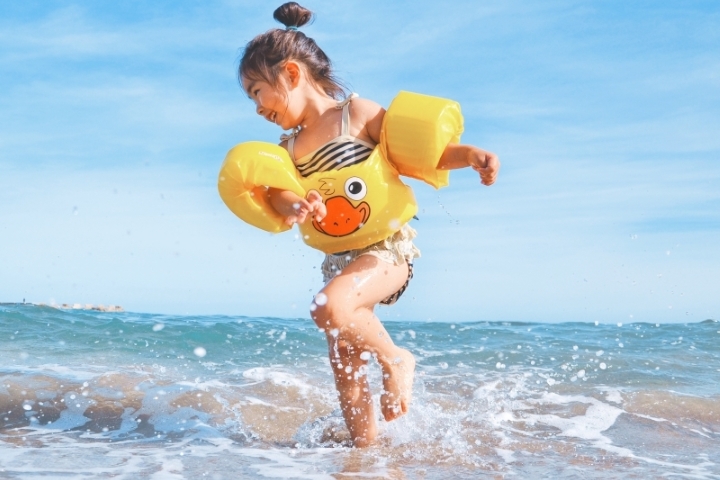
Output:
(70, 306)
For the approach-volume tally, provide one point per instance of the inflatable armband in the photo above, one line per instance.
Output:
(416, 129)
(248, 169)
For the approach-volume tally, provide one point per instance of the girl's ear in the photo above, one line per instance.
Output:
(293, 72)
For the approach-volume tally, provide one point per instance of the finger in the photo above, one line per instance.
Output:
(314, 196)
(320, 211)
(301, 217)
(302, 206)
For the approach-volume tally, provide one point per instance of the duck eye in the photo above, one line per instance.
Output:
(355, 188)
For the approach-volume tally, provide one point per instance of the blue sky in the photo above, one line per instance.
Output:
(116, 116)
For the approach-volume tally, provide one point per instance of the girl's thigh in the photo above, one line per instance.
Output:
(366, 282)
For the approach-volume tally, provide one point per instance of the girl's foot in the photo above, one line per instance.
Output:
(398, 377)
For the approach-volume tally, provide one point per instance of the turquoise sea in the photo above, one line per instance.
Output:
(87, 394)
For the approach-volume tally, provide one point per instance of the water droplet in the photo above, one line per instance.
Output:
(335, 332)
(321, 299)
(575, 347)
(27, 407)
(365, 356)
(581, 373)
(603, 366)
(200, 352)
(157, 327)
(599, 353)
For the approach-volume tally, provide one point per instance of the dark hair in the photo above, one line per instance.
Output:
(265, 54)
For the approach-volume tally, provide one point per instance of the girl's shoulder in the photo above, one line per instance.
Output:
(363, 107)
(367, 116)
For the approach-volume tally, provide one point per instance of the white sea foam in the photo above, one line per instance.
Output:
(278, 377)
(598, 417)
(280, 464)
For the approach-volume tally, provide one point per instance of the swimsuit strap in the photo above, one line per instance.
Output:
(345, 129)
(291, 146)
(347, 100)
(290, 138)
(346, 113)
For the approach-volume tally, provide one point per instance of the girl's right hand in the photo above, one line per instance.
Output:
(312, 205)
(486, 164)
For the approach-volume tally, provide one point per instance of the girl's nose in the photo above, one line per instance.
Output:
(259, 109)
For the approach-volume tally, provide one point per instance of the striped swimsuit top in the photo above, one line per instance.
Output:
(340, 152)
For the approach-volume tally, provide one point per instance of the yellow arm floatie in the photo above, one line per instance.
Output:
(248, 169)
(415, 131)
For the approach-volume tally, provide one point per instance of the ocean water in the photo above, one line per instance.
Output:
(87, 394)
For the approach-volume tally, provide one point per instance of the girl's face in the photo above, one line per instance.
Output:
(272, 101)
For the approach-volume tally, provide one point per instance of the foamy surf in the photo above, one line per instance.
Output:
(110, 395)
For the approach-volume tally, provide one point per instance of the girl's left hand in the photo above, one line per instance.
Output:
(311, 205)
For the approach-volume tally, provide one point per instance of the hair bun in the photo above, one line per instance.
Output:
(291, 14)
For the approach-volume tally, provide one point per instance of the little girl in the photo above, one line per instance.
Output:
(291, 81)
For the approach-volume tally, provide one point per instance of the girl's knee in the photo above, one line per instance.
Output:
(329, 312)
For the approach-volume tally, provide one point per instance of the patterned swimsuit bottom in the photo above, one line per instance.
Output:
(396, 249)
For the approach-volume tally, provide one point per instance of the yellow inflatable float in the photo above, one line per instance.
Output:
(366, 202)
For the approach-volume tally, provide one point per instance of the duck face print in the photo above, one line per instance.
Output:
(344, 215)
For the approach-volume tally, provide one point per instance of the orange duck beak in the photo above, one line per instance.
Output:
(342, 218)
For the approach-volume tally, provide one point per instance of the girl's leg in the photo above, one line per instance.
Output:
(346, 315)
(350, 371)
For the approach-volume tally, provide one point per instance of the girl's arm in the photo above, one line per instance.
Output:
(485, 163)
(294, 208)
(454, 157)
(368, 114)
